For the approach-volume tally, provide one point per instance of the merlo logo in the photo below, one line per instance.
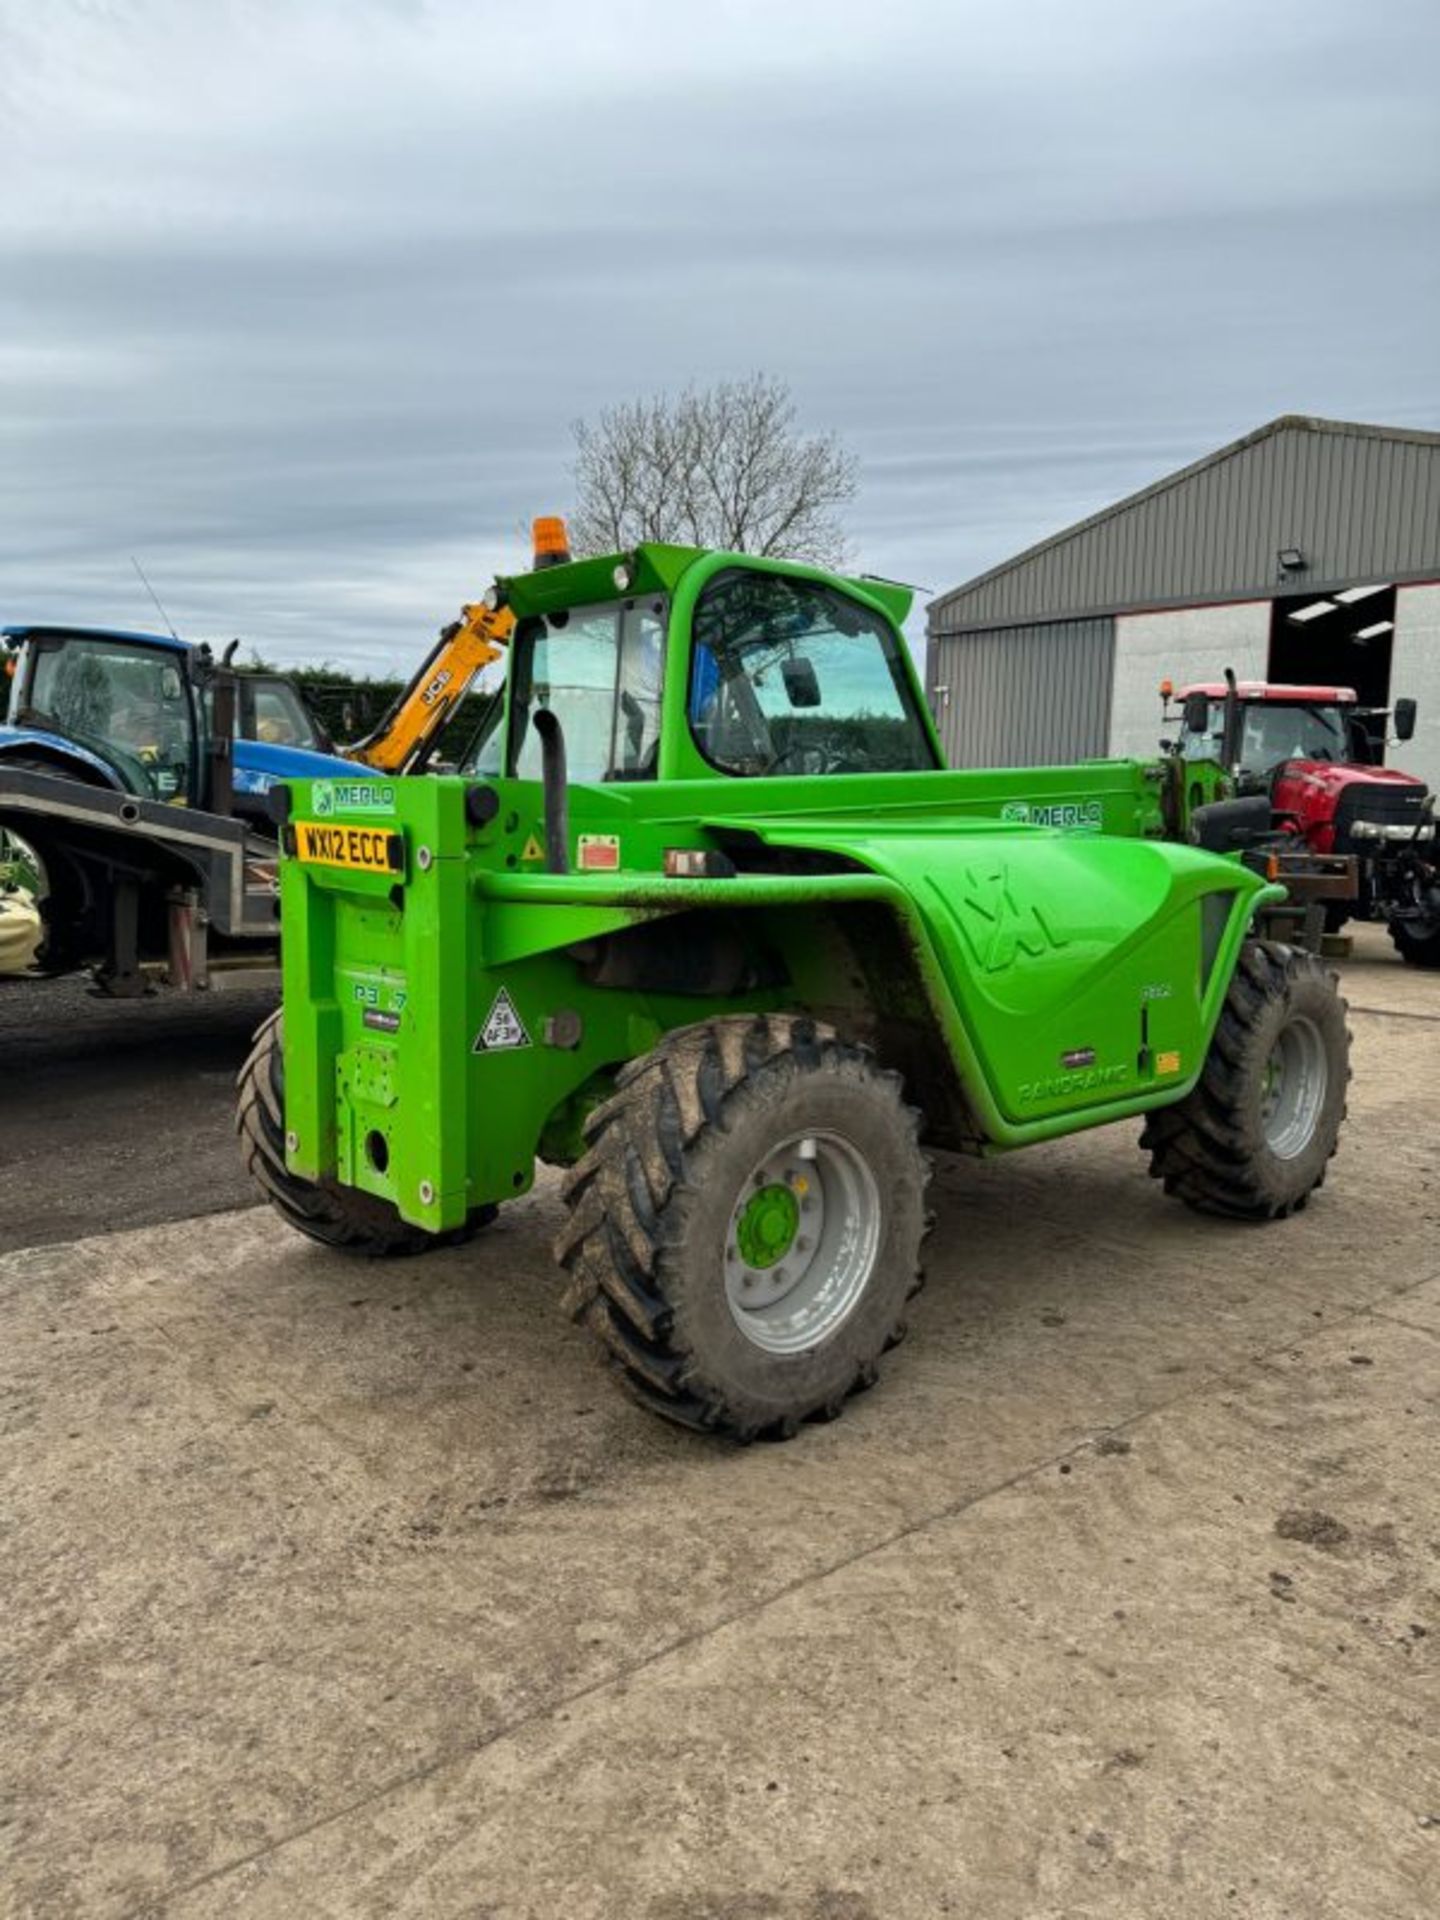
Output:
(999, 924)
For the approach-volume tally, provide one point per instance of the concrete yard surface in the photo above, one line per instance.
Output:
(348, 1589)
(117, 1113)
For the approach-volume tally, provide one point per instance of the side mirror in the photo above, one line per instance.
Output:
(1404, 719)
(802, 685)
(1196, 711)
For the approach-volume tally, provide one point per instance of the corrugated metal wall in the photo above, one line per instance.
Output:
(1024, 697)
(1361, 504)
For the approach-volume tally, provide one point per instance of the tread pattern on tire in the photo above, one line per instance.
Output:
(638, 1160)
(1197, 1146)
(342, 1217)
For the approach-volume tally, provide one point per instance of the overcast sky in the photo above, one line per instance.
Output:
(298, 301)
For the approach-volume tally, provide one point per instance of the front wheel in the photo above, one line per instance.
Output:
(745, 1228)
(337, 1216)
(1253, 1137)
(1417, 941)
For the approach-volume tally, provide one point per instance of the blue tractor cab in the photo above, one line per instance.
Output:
(152, 716)
(137, 769)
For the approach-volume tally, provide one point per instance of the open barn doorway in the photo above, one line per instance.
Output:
(1339, 639)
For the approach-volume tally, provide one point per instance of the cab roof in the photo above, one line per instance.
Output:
(1275, 690)
(658, 568)
(39, 628)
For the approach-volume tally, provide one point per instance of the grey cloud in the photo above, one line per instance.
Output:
(298, 302)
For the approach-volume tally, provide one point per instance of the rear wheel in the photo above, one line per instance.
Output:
(745, 1228)
(1254, 1136)
(336, 1216)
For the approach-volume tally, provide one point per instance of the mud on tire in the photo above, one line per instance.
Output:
(1253, 1138)
(727, 1138)
(342, 1217)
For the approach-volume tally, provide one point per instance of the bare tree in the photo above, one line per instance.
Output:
(725, 466)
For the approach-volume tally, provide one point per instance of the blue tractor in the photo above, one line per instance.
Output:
(137, 767)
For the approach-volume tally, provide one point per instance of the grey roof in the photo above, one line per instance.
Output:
(1360, 502)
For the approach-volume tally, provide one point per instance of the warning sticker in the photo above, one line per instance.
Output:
(532, 850)
(1167, 1063)
(598, 852)
(503, 1027)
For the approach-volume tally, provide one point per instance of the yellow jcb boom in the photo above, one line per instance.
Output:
(404, 739)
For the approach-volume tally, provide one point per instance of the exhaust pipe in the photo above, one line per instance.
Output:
(553, 782)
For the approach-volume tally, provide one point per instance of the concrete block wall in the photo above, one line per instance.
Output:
(1185, 644)
(1415, 670)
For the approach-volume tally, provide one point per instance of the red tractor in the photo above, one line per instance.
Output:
(1315, 753)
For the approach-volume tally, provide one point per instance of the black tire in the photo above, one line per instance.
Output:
(336, 1216)
(64, 903)
(1417, 946)
(673, 1159)
(1337, 914)
(1240, 1143)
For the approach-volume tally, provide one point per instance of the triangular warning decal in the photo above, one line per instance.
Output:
(532, 850)
(503, 1027)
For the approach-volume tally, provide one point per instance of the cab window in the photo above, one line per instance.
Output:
(125, 702)
(268, 710)
(599, 670)
(276, 714)
(793, 676)
(1275, 733)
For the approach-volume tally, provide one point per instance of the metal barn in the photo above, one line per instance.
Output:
(1309, 550)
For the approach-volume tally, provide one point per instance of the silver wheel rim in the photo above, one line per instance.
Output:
(798, 1298)
(1292, 1092)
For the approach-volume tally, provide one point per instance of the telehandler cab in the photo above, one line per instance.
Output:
(708, 923)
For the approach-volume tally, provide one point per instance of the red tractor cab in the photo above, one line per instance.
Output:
(1317, 754)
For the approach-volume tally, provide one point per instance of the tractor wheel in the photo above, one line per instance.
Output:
(1253, 1138)
(1417, 942)
(745, 1227)
(64, 901)
(336, 1216)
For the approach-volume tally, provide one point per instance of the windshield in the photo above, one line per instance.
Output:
(793, 676)
(125, 702)
(1273, 731)
(599, 670)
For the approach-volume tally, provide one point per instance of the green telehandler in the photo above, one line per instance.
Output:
(705, 920)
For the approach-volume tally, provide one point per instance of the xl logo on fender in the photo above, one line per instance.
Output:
(998, 923)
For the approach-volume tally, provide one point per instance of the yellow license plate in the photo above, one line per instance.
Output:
(319, 843)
